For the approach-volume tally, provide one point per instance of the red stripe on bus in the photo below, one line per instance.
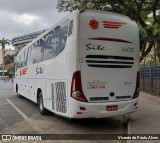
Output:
(111, 27)
(110, 39)
(113, 23)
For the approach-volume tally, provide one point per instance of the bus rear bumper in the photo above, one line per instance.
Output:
(99, 110)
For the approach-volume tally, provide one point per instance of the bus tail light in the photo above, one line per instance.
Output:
(76, 87)
(137, 90)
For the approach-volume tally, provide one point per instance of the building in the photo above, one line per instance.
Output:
(7, 52)
(1, 73)
(21, 41)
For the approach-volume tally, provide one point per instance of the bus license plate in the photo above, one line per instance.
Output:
(112, 108)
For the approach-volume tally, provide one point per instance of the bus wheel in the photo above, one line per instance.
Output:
(42, 110)
(18, 95)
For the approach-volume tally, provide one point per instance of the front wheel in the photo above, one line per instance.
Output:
(18, 95)
(41, 108)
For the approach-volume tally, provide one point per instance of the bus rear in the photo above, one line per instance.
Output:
(107, 83)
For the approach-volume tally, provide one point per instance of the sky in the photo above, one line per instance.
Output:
(20, 17)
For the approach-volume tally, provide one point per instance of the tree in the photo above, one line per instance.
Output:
(9, 59)
(3, 43)
(139, 10)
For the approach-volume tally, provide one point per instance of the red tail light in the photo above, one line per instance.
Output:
(137, 90)
(76, 87)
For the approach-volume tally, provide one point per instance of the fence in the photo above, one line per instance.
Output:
(150, 79)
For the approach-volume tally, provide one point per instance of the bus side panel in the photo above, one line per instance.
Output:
(72, 58)
(49, 94)
(21, 87)
(72, 66)
(31, 89)
(25, 90)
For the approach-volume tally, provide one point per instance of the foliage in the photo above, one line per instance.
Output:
(7, 67)
(145, 12)
(8, 59)
(4, 42)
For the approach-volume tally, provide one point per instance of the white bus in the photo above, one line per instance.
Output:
(86, 66)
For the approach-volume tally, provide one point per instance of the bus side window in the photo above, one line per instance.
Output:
(25, 57)
(56, 41)
(49, 46)
(61, 35)
(38, 51)
(16, 67)
(29, 60)
(20, 60)
(70, 28)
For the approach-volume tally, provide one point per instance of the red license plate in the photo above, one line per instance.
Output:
(112, 108)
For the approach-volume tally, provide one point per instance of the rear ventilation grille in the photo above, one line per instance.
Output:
(53, 96)
(61, 104)
(104, 61)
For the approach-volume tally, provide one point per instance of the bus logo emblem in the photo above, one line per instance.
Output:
(39, 70)
(94, 24)
(23, 71)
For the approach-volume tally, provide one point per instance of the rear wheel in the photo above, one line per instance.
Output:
(41, 108)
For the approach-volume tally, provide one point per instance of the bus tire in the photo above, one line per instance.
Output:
(18, 95)
(41, 108)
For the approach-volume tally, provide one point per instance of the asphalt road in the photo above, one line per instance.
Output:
(21, 116)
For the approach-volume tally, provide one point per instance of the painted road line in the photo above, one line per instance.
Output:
(129, 124)
(129, 127)
(19, 111)
(31, 122)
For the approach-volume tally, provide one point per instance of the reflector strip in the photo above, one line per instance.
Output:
(123, 97)
(82, 108)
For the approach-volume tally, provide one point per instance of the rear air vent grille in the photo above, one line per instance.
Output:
(98, 98)
(104, 61)
(61, 104)
(53, 96)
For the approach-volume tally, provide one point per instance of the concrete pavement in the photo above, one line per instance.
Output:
(147, 119)
(24, 118)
